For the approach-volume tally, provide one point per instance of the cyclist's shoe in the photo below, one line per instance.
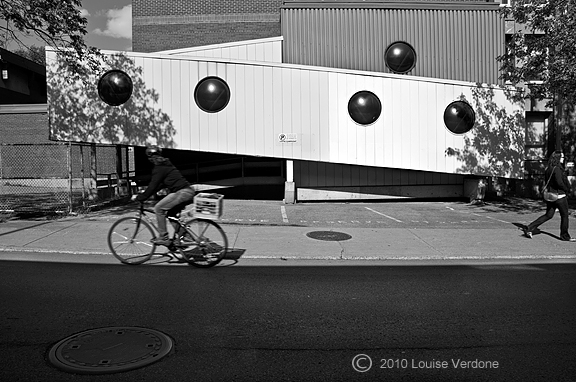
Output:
(161, 241)
(179, 258)
(182, 242)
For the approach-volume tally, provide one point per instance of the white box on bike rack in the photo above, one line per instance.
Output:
(207, 206)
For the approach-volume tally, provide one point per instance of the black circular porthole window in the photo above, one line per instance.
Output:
(400, 57)
(212, 94)
(364, 107)
(459, 117)
(115, 87)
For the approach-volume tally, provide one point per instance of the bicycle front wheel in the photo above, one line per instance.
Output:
(205, 243)
(129, 239)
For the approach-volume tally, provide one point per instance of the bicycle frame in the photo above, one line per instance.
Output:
(142, 215)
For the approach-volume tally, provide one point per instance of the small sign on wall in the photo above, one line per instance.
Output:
(287, 137)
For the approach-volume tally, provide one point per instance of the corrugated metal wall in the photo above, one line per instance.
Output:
(456, 44)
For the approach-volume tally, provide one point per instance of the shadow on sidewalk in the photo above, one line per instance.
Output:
(537, 231)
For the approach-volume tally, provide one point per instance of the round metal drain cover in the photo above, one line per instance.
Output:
(110, 350)
(328, 235)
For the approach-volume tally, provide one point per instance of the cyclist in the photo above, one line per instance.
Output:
(165, 175)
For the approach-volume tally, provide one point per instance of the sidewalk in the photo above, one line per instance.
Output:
(87, 235)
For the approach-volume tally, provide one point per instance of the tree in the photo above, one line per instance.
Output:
(542, 48)
(33, 53)
(542, 54)
(78, 114)
(56, 22)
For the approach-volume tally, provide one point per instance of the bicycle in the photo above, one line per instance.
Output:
(201, 242)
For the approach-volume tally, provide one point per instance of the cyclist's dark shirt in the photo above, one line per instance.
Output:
(164, 175)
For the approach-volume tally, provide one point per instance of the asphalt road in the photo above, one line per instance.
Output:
(254, 322)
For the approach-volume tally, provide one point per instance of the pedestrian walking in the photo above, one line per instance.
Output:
(557, 183)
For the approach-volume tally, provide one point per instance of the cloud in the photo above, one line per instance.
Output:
(84, 13)
(119, 24)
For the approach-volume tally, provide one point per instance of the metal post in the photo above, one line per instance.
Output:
(127, 162)
(93, 173)
(70, 199)
(82, 175)
(119, 174)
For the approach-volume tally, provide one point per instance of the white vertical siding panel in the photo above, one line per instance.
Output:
(173, 92)
(388, 128)
(421, 124)
(314, 114)
(157, 80)
(304, 123)
(441, 99)
(378, 134)
(243, 52)
(449, 137)
(357, 83)
(277, 109)
(165, 101)
(396, 124)
(194, 121)
(259, 52)
(251, 52)
(185, 103)
(250, 88)
(256, 117)
(296, 94)
(333, 116)
(231, 128)
(411, 153)
(267, 110)
(268, 53)
(277, 52)
(343, 121)
(241, 108)
(222, 119)
(323, 119)
(203, 117)
(233, 53)
(351, 128)
(429, 127)
(288, 109)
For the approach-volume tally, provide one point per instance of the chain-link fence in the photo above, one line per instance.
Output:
(61, 178)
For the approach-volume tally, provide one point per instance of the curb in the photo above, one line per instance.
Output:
(330, 258)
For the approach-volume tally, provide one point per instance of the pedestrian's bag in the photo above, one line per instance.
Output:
(548, 195)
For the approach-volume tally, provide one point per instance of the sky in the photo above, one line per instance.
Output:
(109, 25)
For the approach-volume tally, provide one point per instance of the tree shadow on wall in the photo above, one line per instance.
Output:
(78, 114)
(495, 146)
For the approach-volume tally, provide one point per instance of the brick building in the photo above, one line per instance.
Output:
(165, 24)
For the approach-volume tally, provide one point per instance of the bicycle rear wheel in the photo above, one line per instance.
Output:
(205, 243)
(129, 239)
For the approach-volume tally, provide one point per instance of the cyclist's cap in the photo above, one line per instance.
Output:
(153, 150)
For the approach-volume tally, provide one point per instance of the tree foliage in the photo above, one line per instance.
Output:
(542, 48)
(78, 114)
(33, 53)
(58, 23)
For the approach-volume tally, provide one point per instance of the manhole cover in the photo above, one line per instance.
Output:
(110, 350)
(328, 235)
